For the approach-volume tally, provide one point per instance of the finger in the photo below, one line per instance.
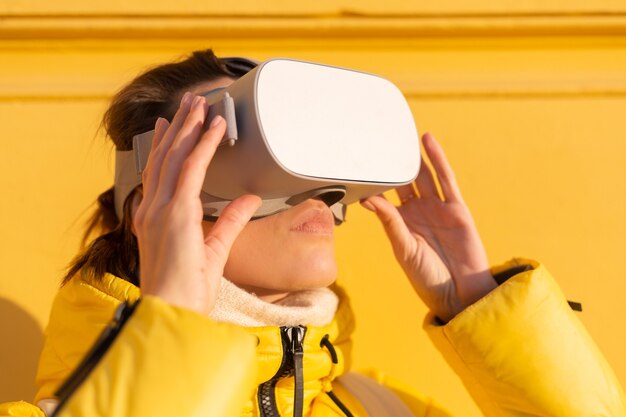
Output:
(406, 192)
(194, 170)
(177, 122)
(425, 182)
(160, 127)
(229, 225)
(156, 157)
(149, 186)
(393, 223)
(368, 206)
(442, 168)
(182, 146)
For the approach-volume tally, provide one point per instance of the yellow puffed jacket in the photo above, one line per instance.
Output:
(520, 351)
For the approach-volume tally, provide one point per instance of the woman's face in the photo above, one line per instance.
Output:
(288, 251)
(284, 252)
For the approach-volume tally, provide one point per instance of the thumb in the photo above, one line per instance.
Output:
(229, 224)
(397, 231)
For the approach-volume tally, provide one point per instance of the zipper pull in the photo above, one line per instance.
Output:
(296, 336)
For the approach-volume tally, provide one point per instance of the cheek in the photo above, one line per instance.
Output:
(264, 257)
(249, 257)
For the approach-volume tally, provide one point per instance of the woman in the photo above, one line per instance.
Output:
(273, 337)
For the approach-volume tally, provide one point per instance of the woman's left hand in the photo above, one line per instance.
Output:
(434, 238)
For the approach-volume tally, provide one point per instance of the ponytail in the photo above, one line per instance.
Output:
(115, 251)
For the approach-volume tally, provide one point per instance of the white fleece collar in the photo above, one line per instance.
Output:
(314, 307)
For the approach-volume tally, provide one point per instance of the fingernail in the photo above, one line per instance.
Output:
(197, 100)
(159, 124)
(368, 205)
(186, 98)
(217, 120)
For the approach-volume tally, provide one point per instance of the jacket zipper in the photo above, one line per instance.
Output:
(291, 365)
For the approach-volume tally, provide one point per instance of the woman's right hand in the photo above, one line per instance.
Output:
(178, 262)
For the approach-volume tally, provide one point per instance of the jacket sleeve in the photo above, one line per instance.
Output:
(168, 361)
(521, 351)
(20, 409)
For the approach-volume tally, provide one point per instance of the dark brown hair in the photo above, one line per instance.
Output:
(133, 110)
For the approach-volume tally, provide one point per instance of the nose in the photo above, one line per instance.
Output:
(328, 195)
(332, 202)
(331, 197)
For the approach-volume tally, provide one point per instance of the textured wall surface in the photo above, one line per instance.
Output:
(527, 99)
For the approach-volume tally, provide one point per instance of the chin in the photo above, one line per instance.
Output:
(319, 276)
(286, 275)
(302, 273)
(313, 267)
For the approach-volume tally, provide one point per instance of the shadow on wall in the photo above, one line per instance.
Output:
(22, 341)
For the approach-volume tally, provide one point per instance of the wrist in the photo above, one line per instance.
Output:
(177, 296)
(475, 287)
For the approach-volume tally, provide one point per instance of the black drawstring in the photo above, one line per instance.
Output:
(122, 313)
(339, 404)
(325, 342)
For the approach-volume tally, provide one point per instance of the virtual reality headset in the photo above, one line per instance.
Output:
(297, 130)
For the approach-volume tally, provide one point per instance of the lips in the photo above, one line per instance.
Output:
(314, 220)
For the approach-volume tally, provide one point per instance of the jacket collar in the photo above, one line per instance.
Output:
(84, 306)
(318, 359)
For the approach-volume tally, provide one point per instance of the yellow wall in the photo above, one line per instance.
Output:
(528, 99)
